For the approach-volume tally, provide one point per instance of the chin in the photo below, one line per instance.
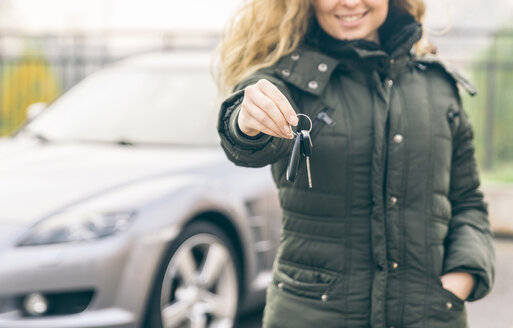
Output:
(349, 37)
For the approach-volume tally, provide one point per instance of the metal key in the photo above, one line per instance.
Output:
(306, 149)
(294, 158)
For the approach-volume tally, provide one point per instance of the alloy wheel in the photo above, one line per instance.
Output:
(200, 285)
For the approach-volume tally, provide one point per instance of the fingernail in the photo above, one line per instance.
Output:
(293, 120)
(286, 129)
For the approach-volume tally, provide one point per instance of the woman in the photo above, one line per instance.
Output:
(394, 231)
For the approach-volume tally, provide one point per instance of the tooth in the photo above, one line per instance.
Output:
(351, 18)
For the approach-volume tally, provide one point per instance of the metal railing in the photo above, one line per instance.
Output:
(38, 68)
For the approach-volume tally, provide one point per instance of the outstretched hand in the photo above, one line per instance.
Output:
(266, 109)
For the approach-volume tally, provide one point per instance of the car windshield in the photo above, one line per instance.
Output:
(135, 105)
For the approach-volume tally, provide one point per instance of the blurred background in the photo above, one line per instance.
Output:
(46, 47)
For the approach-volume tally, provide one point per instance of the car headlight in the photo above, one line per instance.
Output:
(73, 227)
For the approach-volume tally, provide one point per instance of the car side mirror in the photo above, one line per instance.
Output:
(35, 109)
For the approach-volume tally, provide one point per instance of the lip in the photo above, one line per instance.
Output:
(354, 23)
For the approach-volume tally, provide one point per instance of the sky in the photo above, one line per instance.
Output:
(205, 14)
(200, 16)
(116, 14)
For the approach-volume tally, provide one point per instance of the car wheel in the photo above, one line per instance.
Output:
(198, 283)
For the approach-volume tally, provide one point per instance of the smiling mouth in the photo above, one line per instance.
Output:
(351, 18)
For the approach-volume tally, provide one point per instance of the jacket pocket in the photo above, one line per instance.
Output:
(303, 281)
(321, 120)
(449, 300)
(446, 309)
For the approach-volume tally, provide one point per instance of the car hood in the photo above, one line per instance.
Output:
(38, 179)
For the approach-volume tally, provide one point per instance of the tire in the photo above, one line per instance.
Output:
(198, 284)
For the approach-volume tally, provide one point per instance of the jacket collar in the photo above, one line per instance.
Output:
(310, 66)
(307, 69)
(397, 35)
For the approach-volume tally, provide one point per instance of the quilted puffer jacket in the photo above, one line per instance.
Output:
(395, 201)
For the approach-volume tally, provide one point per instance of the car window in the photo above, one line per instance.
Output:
(136, 105)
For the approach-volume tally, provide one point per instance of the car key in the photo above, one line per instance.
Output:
(306, 149)
(294, 158)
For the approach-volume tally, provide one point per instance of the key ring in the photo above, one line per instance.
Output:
(311, 124)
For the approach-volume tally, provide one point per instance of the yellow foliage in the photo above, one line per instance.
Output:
(23, 83)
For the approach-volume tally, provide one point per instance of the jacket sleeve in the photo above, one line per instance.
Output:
(241, 149)
(469, 244)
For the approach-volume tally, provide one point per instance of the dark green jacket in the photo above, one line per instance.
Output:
(395, 200)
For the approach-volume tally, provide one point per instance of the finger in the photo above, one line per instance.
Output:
(272, 91)
(255, 118)
(264, 120)
(267, 105)
(260, 127)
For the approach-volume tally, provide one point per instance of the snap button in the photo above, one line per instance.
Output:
(322, 67)
(313, 84)
(393, 200)
(294, 56)
(398, 138)
(448, 305)
(324, 297)
(280, 285)
(390, 83)
(395, 265)
(285, 72)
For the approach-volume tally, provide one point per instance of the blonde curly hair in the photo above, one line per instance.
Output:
(262, 31)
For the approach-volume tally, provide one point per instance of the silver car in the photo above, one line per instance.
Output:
(118, 208)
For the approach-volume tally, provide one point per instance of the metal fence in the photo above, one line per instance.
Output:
(38, 68)
(35, 68)
(486, 57)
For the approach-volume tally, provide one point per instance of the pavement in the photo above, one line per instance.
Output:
(496, 309)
